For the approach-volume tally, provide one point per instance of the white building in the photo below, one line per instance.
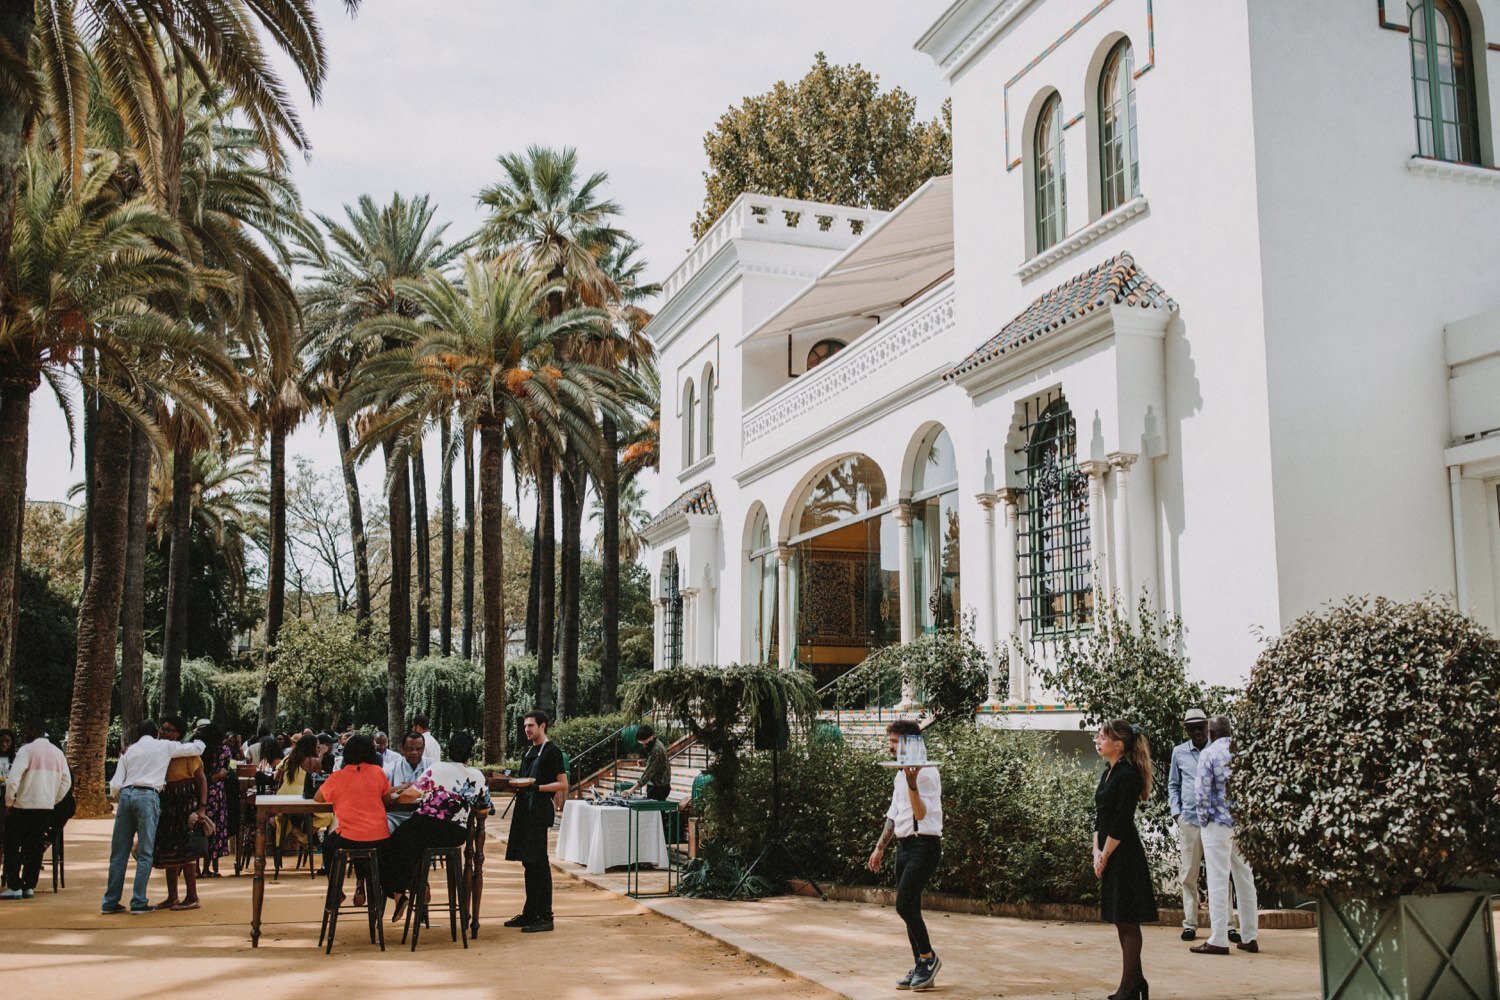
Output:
(1208, 310)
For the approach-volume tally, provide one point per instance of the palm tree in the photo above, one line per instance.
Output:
(359, 275)
(480, 347)
(632, 515)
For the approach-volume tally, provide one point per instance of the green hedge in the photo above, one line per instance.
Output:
(578, 738)
(1016, 815)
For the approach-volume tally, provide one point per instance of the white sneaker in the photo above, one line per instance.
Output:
(12, 894)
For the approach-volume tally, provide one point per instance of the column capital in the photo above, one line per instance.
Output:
(1122, 460)
(783, 553)
(903, 513)
(987, 500)
(1094, 468)
(660, 602)
(1010, 496)
(689, 592)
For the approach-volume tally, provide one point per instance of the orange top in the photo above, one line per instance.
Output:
(183, 768)
(357, 793)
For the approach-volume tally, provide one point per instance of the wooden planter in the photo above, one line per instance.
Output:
(1434, 947)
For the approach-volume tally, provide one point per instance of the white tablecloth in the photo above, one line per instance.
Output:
(598, 837)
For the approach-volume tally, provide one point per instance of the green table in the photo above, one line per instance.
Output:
(633, 873)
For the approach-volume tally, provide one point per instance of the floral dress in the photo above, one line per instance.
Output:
(218, 803)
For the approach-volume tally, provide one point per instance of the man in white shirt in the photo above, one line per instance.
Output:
(137, 783)
(410, 766)
(915, 821)
(388, 757)
(434, 753)
(38, 781)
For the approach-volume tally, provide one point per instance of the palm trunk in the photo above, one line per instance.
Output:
(17, 23)
(99, 615)
(275, 572)
(445, 550)
(492, 509)
(424, 554)
(356, 529)
(467, 644)
(399, 606)
(546, 603)
(574, 491)
(90, 420)
(15, 420)
(534, 580)
(174, 634)
(133, 609)
(609, 499)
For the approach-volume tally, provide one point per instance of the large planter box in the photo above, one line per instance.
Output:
(1435, 947)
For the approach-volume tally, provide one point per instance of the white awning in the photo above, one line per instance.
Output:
(906, 253)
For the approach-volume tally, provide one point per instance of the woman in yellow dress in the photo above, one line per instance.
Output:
(291, 776)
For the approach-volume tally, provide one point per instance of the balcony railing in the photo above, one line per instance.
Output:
(889, 346)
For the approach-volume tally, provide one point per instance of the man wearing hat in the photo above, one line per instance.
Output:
(1182, 793)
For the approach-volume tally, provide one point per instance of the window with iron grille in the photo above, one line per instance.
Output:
(671, 592)
(1055, 584)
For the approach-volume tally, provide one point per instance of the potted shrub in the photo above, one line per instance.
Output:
(1365, 773)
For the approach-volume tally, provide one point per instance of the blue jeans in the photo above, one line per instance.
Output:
(135, 821)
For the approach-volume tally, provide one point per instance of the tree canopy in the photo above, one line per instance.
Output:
(832, 136)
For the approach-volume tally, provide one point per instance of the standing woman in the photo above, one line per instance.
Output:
(1126, 897)
(182, 800)
(217, 762)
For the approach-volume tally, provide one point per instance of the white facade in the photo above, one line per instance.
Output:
(1283, 396)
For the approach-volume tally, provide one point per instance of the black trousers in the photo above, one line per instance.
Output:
(538, 887)
(25, 842)
(916, 860)
(658, 792)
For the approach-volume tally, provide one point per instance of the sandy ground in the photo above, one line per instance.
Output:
(605, 945)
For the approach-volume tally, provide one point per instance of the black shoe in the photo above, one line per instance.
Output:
(904, 983)
(1190, 933)
(538, 926)
(1234, 937)
(924, 976)
(519, 920)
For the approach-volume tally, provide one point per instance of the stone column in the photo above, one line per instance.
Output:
(689, 626)
(1010, 596)
(658, 632)
(991, 609)
(908, 597)
(1121, 461)
(784, 642)
(1098, 527)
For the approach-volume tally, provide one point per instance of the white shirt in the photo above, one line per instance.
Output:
(930, 789)
(388, 760)
(434, 752)
(39, 777)
(145, 764)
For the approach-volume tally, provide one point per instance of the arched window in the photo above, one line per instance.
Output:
(689, 423)
(1051, 199)
(1119, 163)
(708, 412)
(1442, 75)
(934, 533)
(671, 592)
(1056, 579)
(850, 488)
(822, 351)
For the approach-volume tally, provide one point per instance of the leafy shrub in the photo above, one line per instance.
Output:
(717, 873)
(324, 669)
(449, 691)
(947, 668)
(586, 740)
(237, 695)
(198, 699)
(1366, 762)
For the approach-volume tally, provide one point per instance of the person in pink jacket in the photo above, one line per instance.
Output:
(38, 781)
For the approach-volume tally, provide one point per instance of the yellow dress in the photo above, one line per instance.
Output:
(292, 780)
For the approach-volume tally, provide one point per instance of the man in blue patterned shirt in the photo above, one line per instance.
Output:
(1182, 796)
(1220, 853)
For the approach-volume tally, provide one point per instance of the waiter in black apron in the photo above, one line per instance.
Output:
(542, 776)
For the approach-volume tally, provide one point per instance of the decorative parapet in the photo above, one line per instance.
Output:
(784, 220)
(886, 345)
(1076, 241)
(1466, 173)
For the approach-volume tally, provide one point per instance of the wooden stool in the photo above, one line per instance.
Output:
(451, 858)
(345, 860)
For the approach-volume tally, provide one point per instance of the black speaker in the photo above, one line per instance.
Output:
(771, 729)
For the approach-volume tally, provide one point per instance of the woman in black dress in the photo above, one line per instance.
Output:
(1126, 897)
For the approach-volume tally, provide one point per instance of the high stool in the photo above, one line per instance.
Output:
(345, 860)
(452, 859)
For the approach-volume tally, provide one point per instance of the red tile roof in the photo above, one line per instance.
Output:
(698, 500)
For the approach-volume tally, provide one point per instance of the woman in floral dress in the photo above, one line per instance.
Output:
(217, 761)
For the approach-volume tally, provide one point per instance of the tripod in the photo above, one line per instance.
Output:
(776, 844)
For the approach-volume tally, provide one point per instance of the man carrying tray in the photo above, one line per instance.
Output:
(915, 820)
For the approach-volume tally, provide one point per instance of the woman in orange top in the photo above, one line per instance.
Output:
(358, 792)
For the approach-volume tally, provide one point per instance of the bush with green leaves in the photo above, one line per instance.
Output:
(324, 669)
(586, 739)
(947, 668)
(1366, 761)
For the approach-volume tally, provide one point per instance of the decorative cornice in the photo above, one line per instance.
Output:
(1469, 173)
(954, 51)
(1071, 244)
(695, 468)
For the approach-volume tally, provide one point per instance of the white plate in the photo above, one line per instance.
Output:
(930, 763)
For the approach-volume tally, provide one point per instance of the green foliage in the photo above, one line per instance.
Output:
(200, 695)
(1366, 761)
(947, 668)
(323, 666)
(586, 740)
(219, 604)
(237, 697)
(1015, 815)
(716, 873)
(47, 649)
(832, 136)
(449, 691)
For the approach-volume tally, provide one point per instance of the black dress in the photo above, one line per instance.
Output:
(1126, 895)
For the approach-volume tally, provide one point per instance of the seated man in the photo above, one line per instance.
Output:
(404, 774)
(442, 798)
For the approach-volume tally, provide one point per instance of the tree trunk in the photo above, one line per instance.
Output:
(17, 23)
(574, 491)
(15, 421)
(174, 634)
(356, 529)
(399, 606)
(133, 609)
(492, 509)
(445, 551)
(90, 420)
(534, 580)
(99, 615)
(275, 572)
(609, 499)
(546, 602)
(468, 580)
(424, 554)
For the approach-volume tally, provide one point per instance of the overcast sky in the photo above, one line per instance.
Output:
(423, 95)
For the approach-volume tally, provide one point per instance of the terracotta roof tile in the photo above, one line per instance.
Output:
(698, 500)
(1117, 281)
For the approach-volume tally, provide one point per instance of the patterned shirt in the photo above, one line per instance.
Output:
(658, 770)
(1182, 782)
(1213, 784)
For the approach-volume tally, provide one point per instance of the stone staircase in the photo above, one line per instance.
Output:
(688, 760)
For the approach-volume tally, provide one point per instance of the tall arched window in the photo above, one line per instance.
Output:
(689, 423)
(1051, 199)
(1119, 162)
(671, 592)
(708, 412)
(1056, 578)
(1442, 74)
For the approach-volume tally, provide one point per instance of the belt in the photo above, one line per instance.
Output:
(143, 788)
(916, 837)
